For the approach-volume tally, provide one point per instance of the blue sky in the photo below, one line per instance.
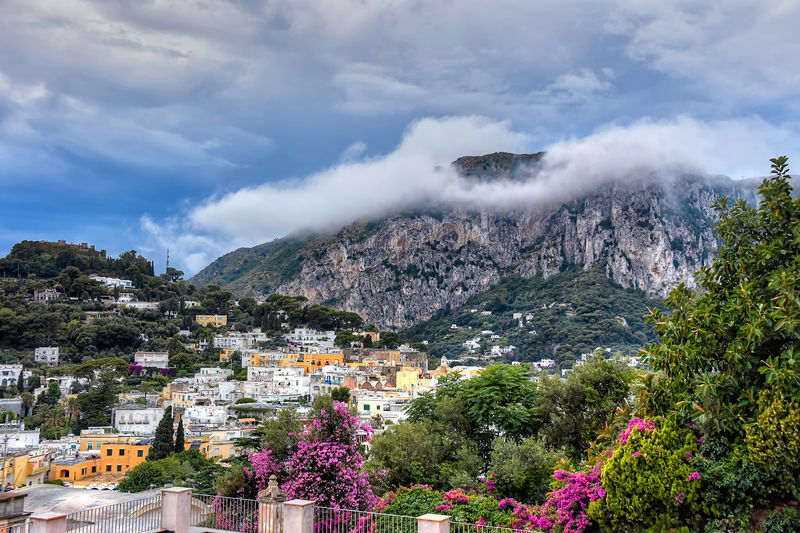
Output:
(206, 125)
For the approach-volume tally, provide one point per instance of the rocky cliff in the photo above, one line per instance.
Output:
(401, 270)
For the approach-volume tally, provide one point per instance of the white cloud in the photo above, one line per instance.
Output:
(742, 49)
(417, 172)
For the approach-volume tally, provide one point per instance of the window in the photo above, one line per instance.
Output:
(108, 468)
(140, 453)
(121, 452)
(109, 452)
(119, 468)
(89, 446)
(366, 407)
(94, 469)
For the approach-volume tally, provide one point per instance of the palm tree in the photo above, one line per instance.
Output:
(27, 403)
(72, 409)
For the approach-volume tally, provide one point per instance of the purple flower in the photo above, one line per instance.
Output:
(694, 475)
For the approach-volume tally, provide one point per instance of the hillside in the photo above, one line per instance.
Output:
(570, 313)
(399, 271)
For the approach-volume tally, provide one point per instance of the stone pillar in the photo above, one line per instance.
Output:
(298, 516)
(270, 507)
(433, 523)
(48, 523)
(176, 509)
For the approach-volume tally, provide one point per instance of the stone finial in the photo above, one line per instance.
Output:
(273, 492)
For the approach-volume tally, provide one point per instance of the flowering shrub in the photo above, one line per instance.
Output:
(648, 479)
(327, 466)
(472, 506)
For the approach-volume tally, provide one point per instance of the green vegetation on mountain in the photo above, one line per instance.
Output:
(562, 317)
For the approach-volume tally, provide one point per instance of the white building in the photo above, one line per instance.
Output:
(126, 298)
(113, 282)
(18, 436)
(47, 355)
(212, 374)
(138, 420)
(239, 341)
(310, 340)
(142, 305)
(152, 359)
(9, 374)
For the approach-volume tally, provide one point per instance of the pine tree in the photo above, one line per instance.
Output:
(180, 444)
(162, 444)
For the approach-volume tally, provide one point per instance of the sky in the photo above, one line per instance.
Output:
(202, 126)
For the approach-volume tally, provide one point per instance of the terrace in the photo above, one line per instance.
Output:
(178, 510)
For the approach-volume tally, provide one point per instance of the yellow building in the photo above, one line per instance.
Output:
(15, 469)
(313, 362)
(408, 378)
(225, 355)
(112, 457)
(37, 468)
(212, 320)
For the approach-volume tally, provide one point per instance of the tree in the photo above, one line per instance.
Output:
(736, 339)
(72, 409)
(53, 394)
(523, 470)
(180, 444)
(575, 409)
(20, 384)
(341, 394)
(280, 434)
(162, 443)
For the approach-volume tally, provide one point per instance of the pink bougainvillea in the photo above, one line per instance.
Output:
(327, 466)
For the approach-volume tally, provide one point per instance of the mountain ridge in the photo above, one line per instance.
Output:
(401, 269)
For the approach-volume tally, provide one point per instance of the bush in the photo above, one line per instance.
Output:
(775, 437)
(648, 478)
(782, 521)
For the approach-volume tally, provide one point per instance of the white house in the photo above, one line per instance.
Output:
(113, 282)
(310, 340)
(47, 355)
(138, 420)
(9, 374)
(152, 359)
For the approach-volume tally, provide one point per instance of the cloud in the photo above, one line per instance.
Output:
(417, 172)
(734, 50)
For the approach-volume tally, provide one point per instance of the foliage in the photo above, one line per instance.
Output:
(717, 351)
(180, 442)
(649, 478)
(595, 312)
(775, 436)
(327, 466)
(163, 446)
(575, 409)
(523, 470)
(188, 468)
(428, 452)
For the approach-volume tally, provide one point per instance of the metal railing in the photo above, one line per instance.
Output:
(233, 514)
(127, 517)
(330, 520)
(460, 527)
(21, 527)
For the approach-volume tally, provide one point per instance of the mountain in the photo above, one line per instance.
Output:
(644, 234)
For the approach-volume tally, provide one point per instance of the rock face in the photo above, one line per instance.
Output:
(400, 271)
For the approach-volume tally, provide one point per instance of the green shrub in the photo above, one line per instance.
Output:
(648, 478)
(782, 521)
(775, 437)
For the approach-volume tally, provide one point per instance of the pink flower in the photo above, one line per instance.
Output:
(694, 475)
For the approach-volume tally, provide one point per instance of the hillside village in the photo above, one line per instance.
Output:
(217, 365)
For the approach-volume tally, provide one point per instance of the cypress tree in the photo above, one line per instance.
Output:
(162, 444)
(179, 440)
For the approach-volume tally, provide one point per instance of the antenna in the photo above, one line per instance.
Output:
(167, 258)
